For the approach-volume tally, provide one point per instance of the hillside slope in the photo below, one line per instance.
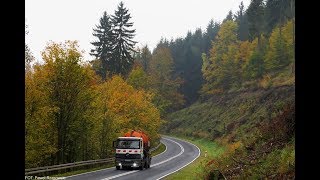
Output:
(256, 126)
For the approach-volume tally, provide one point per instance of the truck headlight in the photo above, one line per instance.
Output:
(119, 164)
(134, 164)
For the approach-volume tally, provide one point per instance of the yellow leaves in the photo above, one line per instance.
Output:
(289, 36)
(280, 52)
(138, 79)
(40, 142)
(215, 91)
(228, 32)
(61, 52)
(57, 92)
(288, 33)
(222, 67)
(266, 81)
(129, 108)
(244, 52)
(231, 148)
(63, 92)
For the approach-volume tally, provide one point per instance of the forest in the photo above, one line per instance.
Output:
(74, 108)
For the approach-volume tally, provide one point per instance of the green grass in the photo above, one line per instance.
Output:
(279, 161)
(161, 149)
(195, 170)
(228, 118)
(228, 113)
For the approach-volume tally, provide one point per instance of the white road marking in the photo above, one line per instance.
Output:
(119, 175)
(110, 167)
(182, 150)
(123, 174)
(162, 152)
(184, 165)
(89, 172)
(159, 163)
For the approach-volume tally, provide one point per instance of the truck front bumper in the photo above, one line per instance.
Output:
(128, 162)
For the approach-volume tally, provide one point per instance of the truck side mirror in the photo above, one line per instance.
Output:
(114, 144)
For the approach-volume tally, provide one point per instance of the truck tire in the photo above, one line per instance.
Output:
(148, 163)
(141, 167)
(117, 167)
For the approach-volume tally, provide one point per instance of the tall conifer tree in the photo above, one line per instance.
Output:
(103, 46)
(124, 45)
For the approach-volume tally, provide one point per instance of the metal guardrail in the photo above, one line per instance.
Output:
(71, 165)
(65, 166)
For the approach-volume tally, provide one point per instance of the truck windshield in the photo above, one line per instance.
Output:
(128, 144)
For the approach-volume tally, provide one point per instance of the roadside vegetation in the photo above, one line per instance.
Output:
(255, 128)
(196, 170)
(246, 102)
(230, 89)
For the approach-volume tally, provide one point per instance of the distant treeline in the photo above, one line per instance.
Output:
(247, 47)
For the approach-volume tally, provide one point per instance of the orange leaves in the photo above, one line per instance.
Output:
(231, 149)
(129, 108)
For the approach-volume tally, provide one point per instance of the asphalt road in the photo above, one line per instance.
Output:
(177, 155)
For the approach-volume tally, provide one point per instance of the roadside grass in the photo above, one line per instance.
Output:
(161, 149)
(196, 170)
(235, 117)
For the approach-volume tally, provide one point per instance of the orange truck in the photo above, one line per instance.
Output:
(132, 150)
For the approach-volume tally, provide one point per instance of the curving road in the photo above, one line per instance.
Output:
(177, 155)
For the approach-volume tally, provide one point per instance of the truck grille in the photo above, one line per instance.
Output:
(128, 156)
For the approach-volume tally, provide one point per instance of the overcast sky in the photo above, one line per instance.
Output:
(60, 20)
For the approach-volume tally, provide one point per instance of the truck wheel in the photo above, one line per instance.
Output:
(117, 167)
(141, 167)
(148, 164)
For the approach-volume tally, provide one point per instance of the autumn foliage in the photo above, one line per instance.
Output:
(72, 115)
(231, 63)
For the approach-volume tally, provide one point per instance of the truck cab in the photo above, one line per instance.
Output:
(130, 152)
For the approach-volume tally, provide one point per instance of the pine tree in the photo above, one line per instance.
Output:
(255, 14)
(123, 44)
(241, 19)
(272, 14)
(145, 58)
(210, 34)
(161, 68)
(278, 12)
(229, 17)
(103, 46)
